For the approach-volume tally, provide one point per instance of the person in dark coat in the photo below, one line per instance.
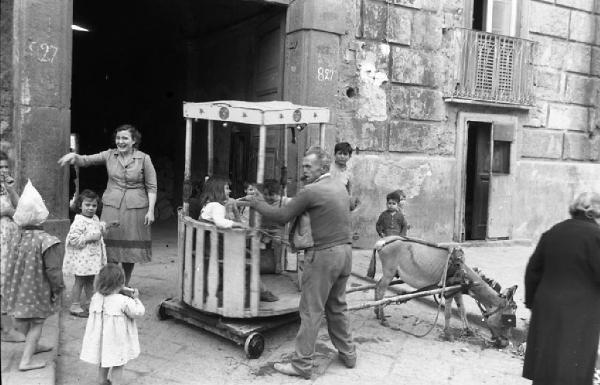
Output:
(562, 289)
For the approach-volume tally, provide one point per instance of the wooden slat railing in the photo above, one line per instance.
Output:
(224, 278)
(490, 67)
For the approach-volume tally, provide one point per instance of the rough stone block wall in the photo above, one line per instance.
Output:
(6, 73)
(395, 63)
(566, 120)
(391, 77)
(390, 106)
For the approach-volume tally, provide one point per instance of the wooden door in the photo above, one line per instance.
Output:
(239, 162)
(481, 183)
(501, 185)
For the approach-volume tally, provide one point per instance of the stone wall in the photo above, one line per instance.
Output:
(393, 67)
(390, 107)
(6, 73)
(40, 83)
(566, 121)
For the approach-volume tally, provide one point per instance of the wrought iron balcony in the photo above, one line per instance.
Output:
(490, 68)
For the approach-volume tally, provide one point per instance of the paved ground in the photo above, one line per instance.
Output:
(176, 353)
(11, 355)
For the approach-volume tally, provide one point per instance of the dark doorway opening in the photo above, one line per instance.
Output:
(142, 58)
(478, 180)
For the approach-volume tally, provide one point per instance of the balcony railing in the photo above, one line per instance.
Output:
(490, 67)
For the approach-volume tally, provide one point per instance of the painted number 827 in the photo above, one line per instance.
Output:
(324, 74)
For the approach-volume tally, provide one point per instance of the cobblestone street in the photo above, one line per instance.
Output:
(174, 352)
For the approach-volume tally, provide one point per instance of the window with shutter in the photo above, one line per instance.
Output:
(493, 65)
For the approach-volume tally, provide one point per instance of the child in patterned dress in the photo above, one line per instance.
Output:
(111, 335)
(85, 253)
(34, 280)
(8, 231)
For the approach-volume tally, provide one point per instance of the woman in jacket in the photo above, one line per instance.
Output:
(129, 197)
(562, 289)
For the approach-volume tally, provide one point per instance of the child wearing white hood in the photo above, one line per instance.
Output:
(34, 279)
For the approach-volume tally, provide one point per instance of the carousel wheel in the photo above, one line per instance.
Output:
(162, 313)
(254, 345)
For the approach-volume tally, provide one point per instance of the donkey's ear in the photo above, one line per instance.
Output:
(510, 292)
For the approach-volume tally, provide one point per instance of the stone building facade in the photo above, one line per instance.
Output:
(396, 102)
(489, 134)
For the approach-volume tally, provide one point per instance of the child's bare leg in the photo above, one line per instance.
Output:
(88, 287)
(76, 294)
(31, 344)
(9, 333)
(103, 375)
(128, 269)
(116, 375)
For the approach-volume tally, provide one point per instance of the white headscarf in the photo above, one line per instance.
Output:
(31, 210)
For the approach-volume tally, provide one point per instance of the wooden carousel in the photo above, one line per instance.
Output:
(219, 269)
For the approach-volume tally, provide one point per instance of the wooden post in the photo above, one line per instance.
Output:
(187, 173)
(322, 135)
(198, 297)
(262, 143)
(213, 272)
(255, 244)
(180, 253)
(285, 155)
(211, 154)
(188, 266)
(404, 297)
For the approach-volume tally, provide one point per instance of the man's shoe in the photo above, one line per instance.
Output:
(288, 369)
(267, 296)
(348, 361)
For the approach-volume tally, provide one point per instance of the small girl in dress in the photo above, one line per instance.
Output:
(111, 336)
(34, 279)
(85, 253)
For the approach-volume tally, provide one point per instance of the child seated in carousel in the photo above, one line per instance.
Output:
(273, 233)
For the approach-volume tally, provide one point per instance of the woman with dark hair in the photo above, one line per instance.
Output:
(129, 197)
(562, 289)
(8, 229)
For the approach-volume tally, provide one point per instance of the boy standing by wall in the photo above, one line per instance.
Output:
(339, 170)
(342, 154)
(392, 220)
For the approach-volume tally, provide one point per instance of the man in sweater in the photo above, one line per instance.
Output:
(327, 265)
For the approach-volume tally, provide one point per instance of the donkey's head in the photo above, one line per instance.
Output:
(457, 257)
(501, 317)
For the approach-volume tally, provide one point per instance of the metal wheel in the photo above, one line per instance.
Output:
(162, 313)
(254, 345)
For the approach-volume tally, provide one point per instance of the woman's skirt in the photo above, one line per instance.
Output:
(131, 241)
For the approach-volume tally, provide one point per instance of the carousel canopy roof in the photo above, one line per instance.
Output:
(261, 113)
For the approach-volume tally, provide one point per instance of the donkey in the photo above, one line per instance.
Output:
(421, 265)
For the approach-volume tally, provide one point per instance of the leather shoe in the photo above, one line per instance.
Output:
(348, 361)
(288, 369)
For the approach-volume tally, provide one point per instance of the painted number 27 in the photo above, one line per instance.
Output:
(325, 74)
